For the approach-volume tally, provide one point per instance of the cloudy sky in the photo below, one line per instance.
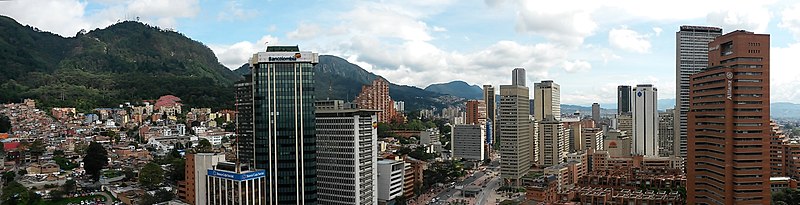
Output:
(587, 47)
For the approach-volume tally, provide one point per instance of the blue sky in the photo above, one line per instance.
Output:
(587, 47)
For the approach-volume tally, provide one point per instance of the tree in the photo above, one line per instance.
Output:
(5, 124)
(786, 196)
(384, 130)
(129, 173)
(151, 175)
(37, 148)
(203, 146)
(9, 176)
(95, 160)
(15, 193)
(160, 196)
(177, 170)
(69, 186)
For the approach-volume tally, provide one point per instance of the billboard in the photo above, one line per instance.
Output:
(235, 176)
(287, 57)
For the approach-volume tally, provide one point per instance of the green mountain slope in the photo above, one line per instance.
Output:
(125, 62)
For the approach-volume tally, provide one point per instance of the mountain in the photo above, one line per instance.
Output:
(125, 62)
(457, 88)
(785, 110)
(336, 78)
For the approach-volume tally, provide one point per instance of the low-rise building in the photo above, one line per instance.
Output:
(391, 177)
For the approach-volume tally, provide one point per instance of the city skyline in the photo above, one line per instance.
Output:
(585, 49)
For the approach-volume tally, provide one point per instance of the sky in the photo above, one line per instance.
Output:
(588, 47)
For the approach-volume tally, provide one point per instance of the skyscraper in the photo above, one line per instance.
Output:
(518, 77)
(491, 111)
(347, 156)
(666, 132)
(547, 97)
(244, 120)
(284, 128)
(645, 121)
(729, 125)
(623, 100)
(467, 142)
(691, 56)
(476, 112)
(553, 142)
(376, 96)
(596, 112)
(514, 133)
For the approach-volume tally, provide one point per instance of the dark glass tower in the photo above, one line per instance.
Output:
(283, 117)
(624, 99)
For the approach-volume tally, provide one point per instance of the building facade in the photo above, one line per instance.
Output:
(547, 100)
(645, 121)
(491, 113)
(244, 120)
(391, 175)
(346, 156)
(467, 142)
(518, 77)
(553, 142)
(514, 133)
(476, 112)
(666, 132)
(376, 97)
(596, 112)
(284, 136)
(227, 185)
(729, 125)
(624, 99)
(691, 56)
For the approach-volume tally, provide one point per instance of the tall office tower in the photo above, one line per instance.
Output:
(593, 139)
(553, 147)
(346, 156)
(645, 121)
(729, 125)
(691, 56)
(514, 133)
(666, 132)
(467, 142)
(534, 135)
(376, 97)
(547, 96)
(574, 133)
(476, 112)
(491, 112)
(518, 77)
(596, 112)
(624, 99)
(244, 120)
(284, 137)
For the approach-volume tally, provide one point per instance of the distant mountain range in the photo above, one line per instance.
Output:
(777, 110)
(457, 88)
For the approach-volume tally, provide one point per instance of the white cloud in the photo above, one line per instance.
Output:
(304, 31)
(790, 20)
(657, 30)
(576, 66)
(233, 56)
(629, 40)
(67, 17)
(439, 29)
(567, 24)
(751, 18)
(235, 11)
(784, 74)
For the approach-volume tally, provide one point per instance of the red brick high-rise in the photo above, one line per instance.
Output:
(376, 96)
(476, 112)
(729, 126)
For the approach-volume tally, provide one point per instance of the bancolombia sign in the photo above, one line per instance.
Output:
(302, 56)
(235, 176)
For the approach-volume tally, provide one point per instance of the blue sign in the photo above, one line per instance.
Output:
(639, 94)
(235, 176)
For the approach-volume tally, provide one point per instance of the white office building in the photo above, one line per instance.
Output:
(226, 185)
(645, 121)
(391, 174)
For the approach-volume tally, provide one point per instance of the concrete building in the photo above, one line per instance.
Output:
(593, 139)
(729, 125)
(284, 144)
(617, 143)
(476, 112)
(624, 122)
(202, 162)
(691, 56)
(467, 142)
(227, 184)
(596, 112)
(547, 100)
(514, 133)
(553, 142)
(624, 100)
(391, 174)
(574, 132)
(518, 77)
(376, 97)
(666, 132)
(491, 113)
(645, 121)
(400, 106)
(346, 156)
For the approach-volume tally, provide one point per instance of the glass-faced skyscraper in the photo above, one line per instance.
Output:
(284, 142)
(691, 56)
